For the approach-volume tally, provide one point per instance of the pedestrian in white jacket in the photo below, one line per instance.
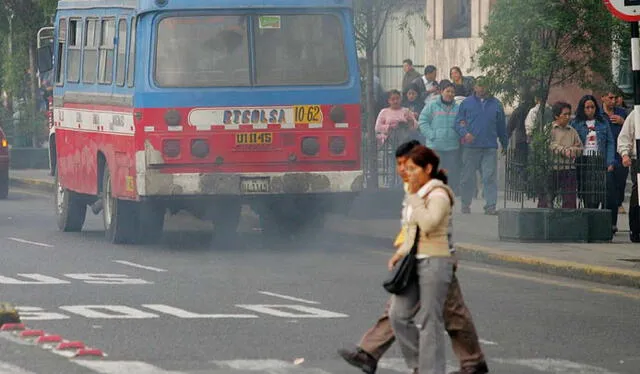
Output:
(627, 150)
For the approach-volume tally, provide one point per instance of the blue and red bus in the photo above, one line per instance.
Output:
(204, 106)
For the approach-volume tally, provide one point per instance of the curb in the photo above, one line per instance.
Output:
(599, 274)
(32, 184)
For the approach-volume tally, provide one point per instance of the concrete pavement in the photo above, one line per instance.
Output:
(185, 306)
(616, 263)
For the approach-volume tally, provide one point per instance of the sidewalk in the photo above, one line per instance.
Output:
(476, 236)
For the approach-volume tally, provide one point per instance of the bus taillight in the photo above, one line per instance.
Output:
(172, 118)
(310, 146)
(338, 114)
(337, 145)
(171, 148)
(199, 148)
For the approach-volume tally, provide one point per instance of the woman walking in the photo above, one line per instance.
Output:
(427, 216)
(599, 156)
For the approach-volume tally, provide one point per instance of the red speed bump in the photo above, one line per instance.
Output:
(31, 333)
(49, 339)
(12, 327)
(70, 345)
(89, 352)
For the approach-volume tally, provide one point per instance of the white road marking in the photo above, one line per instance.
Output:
(487, 342)
(307, 311)
(291, 298)
(30, 242)
(119, 279)
(119, 367)
(549, 365)
(30, 313)
(35, 279)
(268, 366)
(398, 364)
(118, 312)
(180, 313)
(6, 368)
(133, 264)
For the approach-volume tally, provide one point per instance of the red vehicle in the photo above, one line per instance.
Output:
(205, 106)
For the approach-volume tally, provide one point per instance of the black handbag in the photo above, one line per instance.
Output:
(404, 272)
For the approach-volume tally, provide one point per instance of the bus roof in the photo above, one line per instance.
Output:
(142, 6)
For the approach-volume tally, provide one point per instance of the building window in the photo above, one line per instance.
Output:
(457, 19)
(624, 71)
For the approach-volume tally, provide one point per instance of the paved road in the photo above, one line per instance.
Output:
(183, 306)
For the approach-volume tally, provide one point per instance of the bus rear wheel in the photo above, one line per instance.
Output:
(120, 216)
(71, 210)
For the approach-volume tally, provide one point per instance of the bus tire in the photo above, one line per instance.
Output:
(4, 184)
(71, 210)
(120, 216)
(151, 222)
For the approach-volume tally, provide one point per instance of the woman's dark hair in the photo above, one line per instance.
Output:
(405, 148)
(580, 116)
(455, 68)
(393, 92)
(412, 86)
(423, 156)
(558, 107)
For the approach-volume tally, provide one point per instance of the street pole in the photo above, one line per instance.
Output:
(635, 63)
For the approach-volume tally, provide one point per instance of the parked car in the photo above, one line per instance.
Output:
(4, 165)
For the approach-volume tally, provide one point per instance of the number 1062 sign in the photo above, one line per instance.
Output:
(626, 10)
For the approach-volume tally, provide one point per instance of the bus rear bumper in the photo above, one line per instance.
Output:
(152, 184)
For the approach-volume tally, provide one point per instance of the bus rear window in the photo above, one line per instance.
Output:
(301, 49)
(202, 51)
(213, 51)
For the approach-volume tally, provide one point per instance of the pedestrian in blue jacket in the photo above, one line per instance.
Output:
(480, 123)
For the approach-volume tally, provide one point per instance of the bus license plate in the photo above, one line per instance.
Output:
(255, 185)
(308, 114)
(245, 138)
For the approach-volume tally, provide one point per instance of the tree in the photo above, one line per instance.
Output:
(558, 42)
(22, 19)
(371, 18)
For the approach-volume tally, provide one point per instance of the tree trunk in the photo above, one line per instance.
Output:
(33, 103)
(372, 144)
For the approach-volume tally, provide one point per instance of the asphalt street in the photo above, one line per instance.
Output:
(186, 305)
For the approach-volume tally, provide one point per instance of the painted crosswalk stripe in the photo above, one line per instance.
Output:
(268, 366)
(398, 364)
(120, 367)
(6, 368)
(549, 365)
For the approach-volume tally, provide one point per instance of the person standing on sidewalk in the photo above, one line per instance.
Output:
(629, 154)
(616, 116)
(480, 123)
(458, 321)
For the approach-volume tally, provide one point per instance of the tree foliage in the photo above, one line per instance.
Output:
(534, 45)
(372, 17)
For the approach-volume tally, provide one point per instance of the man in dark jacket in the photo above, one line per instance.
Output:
(410, 74)
(427, 84)
(480, 123)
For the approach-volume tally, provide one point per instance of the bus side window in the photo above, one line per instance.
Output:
(61, 53)
(74, 52)
(131, 66)
(90, 61)
(121, 63)
(105, 68)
